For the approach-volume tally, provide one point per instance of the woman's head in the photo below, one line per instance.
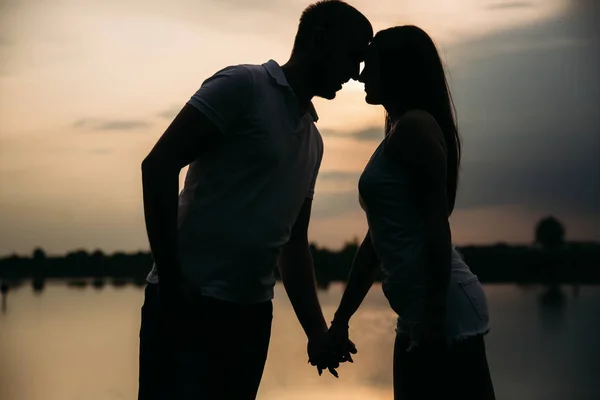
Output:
(403, 71)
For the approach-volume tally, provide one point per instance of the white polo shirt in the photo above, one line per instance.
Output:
(239, 202)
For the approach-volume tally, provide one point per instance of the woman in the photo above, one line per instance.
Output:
(408, 191)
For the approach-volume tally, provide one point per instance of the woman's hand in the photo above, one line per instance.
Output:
(340, 345)
(319, 355)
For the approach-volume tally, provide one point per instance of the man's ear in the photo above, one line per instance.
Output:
(319, 41)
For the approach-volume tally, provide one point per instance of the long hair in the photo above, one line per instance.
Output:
(413, 77)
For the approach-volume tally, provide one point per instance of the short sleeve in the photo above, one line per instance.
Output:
(311, 189)
(225, 97)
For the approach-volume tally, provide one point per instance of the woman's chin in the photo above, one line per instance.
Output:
(371, 100)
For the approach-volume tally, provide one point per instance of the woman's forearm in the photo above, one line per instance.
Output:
(360, 280)
(438, 255)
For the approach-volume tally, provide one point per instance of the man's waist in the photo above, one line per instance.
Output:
(219, 304)
(234, 295)
(243, 284)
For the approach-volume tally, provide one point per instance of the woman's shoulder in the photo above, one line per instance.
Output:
(415, 122)
(415, 131)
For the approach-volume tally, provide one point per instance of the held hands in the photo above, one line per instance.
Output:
(330, 348)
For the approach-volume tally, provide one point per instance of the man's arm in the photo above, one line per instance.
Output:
(360, 280)
(190, 134)
(419, 148)
(222, 100)
(298, 275)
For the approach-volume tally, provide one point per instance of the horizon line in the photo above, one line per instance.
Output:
(315, 244)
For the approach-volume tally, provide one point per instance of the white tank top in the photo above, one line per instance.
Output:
(397, 233)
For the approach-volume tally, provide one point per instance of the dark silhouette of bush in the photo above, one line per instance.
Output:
(549, 233)
(549, 260)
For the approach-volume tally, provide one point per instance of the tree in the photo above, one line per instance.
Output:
(549, 233)
(97, 255)
(39, 254)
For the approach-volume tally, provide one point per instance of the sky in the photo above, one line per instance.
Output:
(87, 87)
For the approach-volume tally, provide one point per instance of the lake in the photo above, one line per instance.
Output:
(70, 343)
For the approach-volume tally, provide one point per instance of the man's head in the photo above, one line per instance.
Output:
(330, 44)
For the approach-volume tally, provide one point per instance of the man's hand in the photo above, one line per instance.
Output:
(173, 292)
(319, 355)
(169, 293)
(329, 349)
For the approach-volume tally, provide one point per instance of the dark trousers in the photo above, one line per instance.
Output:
(212, 350)
(462, 372)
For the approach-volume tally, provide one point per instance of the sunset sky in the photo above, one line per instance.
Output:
(87, 87)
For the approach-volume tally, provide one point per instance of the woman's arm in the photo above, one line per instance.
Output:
(360, 280)
(417, 144)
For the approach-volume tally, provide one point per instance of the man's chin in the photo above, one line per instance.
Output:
(327, 95)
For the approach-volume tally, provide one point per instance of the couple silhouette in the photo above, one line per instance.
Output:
(254, 152)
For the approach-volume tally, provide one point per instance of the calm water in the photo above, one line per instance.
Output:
(81, 344)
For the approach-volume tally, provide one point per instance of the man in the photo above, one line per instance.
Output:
(254, 152)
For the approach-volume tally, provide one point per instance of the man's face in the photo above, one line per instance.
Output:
(339, 62)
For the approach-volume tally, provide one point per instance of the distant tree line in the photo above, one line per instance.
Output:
(549, 259)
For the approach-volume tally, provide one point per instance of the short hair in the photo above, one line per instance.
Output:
(330, 15)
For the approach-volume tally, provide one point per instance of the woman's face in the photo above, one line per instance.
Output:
(371, 77)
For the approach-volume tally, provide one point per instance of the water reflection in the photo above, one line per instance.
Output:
(94, 331)
(98, 283)
(337, 393)
(4, 292)
(38, 285)
(575, 290)
(77, 284)
(552, 302)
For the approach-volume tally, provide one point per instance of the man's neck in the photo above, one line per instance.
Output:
(299, 80)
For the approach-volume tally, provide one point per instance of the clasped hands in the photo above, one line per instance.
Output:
(330, 348)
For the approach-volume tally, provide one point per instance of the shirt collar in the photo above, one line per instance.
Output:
(276, 73)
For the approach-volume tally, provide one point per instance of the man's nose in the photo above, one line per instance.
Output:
(355, 74)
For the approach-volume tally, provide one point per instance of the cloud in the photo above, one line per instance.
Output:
(100, 151)
(556, 187)
(509, 5)
(110, 125)
(6, 46)
(338, 175)
(170, 113)
(368, 134)
(261, 4)
(330, 205)
(577, 24)
(532, 130)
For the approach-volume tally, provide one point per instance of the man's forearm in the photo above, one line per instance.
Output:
(298, 276)
(360, 280)
(438, 256)
(160, 192)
